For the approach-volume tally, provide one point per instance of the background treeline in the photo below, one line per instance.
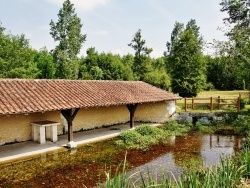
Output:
(183, 68)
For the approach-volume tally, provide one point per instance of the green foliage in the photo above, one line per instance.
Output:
(231, 117)
(142, 63)
(45, 64)
(203, 128)
(140, 138)
(242, 125)
(119, 180)
(130, 137)
(67, 31)
(145, 135)
(16, 57)
(238, 21)
(174, 128)
(243, 102)
(158, 75)
(104, 67)
(186, 60)
(147, 130)
(223, 72)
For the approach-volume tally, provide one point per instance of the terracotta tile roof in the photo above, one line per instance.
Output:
(26, 96)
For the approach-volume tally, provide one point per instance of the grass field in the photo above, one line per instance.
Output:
(225, 94)
(225, 97)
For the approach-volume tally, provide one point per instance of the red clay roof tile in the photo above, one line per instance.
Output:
(27, 96)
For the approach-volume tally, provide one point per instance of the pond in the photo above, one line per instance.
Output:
(191, 151)
(87, 165)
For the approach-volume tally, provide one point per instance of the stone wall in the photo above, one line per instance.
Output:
(17, 128)
(204, 118)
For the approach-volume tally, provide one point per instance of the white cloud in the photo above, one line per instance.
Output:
(86, 5)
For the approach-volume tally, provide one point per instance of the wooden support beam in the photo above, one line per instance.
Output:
(70, 115)
(131, 108)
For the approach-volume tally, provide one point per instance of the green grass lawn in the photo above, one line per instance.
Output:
(225, 96)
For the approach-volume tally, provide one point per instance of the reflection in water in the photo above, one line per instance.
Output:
(196, 148)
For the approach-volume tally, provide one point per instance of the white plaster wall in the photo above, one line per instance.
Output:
(97, 117)
(158, 112)
(16, 128)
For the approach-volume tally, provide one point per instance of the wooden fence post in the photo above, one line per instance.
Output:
(185, 102)
(192, 103)
(218, 102)
(238, 103)
(211, 104)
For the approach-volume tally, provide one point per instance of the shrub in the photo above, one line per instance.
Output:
(134, 140)
(243, 103)
(230, 117)
(242, 125)
(147, 130)
(130, 136)
(203, 128)
(175, 128)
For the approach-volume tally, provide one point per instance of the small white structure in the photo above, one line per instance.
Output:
(44, 129)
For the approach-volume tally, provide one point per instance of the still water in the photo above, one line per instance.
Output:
(194, 150)
(79, 167)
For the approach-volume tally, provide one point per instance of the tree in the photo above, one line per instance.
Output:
(239, 35)
(44, 61)
(67, 31)
(16, 57)
(186, 60)
(142, 62)
(89, 66)
(222, 73)
(104, 66)
(158, 76)
(238, 12)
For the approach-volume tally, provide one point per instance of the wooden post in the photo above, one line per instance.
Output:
(211, 103)
(132, 108)
(69, 116)
(218, 102)
(192, 103)
(185, 103)
(238, 103)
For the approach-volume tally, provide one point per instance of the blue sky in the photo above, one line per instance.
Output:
(111, 24)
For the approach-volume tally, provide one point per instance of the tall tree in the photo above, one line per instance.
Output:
(239, 34)
(67, 31)
(185, 55)
(142, 62)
